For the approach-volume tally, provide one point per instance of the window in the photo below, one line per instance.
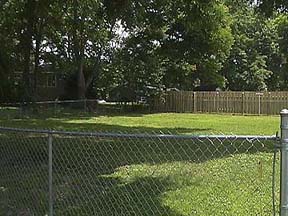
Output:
(51, 80)
(46, 80)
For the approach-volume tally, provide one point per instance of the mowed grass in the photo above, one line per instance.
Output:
(141, 177)
(164, 122)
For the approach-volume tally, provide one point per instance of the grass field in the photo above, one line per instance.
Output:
(173, 122)
(140, 177)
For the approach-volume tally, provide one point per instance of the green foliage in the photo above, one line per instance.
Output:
(270, 6)
(248, 66)
(199, 37)
(280, 76)
(105, 45)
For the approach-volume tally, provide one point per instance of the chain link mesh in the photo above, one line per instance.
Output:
(23, 173)
(48, 109)
(137, 174)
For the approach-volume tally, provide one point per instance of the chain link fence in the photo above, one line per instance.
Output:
(57, 108)
(65, 173)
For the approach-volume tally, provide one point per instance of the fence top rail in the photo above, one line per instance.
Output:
(52, 102)
(139, 135)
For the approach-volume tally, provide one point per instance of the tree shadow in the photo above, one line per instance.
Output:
(105, 196)
(67, 110)
(67, 124)
(86, 169)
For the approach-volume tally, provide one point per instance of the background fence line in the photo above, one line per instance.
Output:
(58, 108)
(255, 103)
(266, 103)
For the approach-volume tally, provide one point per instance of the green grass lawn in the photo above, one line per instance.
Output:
(167, 122)
(150, 177)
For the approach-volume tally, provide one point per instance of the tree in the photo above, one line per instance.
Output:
(82, 40)
(101, 45)
(10, 52)
(270, 6)
(22, 28)
(247, 67)
(188, 41)
(278, 61)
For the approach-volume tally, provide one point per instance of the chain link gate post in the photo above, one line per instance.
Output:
(284, 164)
(50, 173)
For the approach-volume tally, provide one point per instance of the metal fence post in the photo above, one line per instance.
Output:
(55, 107)
(50, 173)
(85, 105)
(284, 164)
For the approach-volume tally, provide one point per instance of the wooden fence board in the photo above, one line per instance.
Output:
(264, 103)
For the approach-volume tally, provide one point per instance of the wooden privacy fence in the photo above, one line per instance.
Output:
(267, 103)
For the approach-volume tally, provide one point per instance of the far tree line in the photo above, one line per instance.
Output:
(103, 46)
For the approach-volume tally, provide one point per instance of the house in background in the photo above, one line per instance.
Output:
(49, 84)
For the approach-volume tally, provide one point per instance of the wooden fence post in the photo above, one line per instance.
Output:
(217, 101)
(259, 94)
(195, 102)
(242, 102)
(268, 104)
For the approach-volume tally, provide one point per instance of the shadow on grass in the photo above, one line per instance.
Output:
(67, 124)
(110, 196)
(86, 170)
(66, 111)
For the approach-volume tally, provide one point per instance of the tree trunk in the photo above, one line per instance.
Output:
(37, 61)
(81, 80)
(95, 73)
(27, 47)
(79, 51)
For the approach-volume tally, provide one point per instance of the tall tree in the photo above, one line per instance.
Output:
(27, 44)
(254, 45)
(191, 40)
(11, 16)
(270, 6)
(82, 38)
(278, 60)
